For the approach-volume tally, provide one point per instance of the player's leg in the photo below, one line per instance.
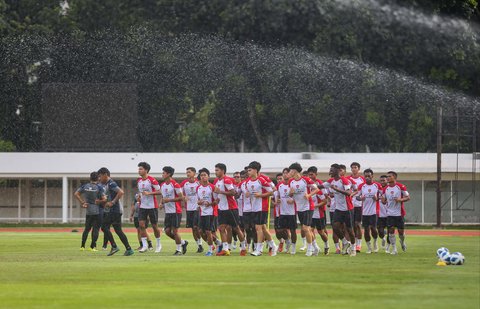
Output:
(401, 233)
(366, 226)
(95, 231)
(117, 226)
(357, 212)
(391, 235)
(304, 240)
(86, 230)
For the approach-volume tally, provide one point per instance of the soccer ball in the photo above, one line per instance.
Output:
(441, 251)
(456, 258)
(445, 256)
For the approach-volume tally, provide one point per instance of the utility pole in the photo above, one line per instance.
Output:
(439, 165)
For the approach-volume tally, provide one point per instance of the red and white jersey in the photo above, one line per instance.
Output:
(259, 185)
(342, 202)
(226, 201)
(276, 207)
(206, 193)
(171, 190)
(356, 182)
(283, 191)
(238, 190)
(318, 212)
(148, 185)
(370, 191)
(265, 201)
(301, 187)
(382, 207)
(246, 202)
(190, 192)
(395, 209)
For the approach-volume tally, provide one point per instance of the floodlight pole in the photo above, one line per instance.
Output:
(439, 165)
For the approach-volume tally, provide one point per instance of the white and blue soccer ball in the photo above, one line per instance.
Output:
(456, 258)
(441, 252)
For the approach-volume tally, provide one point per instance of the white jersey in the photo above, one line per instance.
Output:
(148, 185)
(171, 190)
(356, 182)
(342, 202)
(239, 200)
(318, 211)
(394, 209)
(383, 207)
(259, 185)
(190, 192)
(247, 205)
(285, 209)
(206, 193)
(301, 187)
(370, 191)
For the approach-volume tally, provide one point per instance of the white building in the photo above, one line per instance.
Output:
(38, 187)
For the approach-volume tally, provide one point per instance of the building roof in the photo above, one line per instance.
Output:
(19, 165)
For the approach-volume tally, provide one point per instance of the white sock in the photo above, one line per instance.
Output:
(326, 244)
(358, 242)
(199, 241)
(304, 241)
(314, 242)
(144, 243)
(158, 242)
(271, 244)
(259, 247)
(282, 240)
(218, 242)
(182, 242)
(242, 245)
(210, 249)
(310, 247)
(402, 238)
(225, 246)
(344, 241)
(392, 239)
(179, 247)
(293, 247)
(230, 245)
(369, 245)
(337, 245)
(289, 242)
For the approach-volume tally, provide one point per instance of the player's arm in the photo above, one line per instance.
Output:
(230, 192)
(313, 192)
(348, 191)
(78, 196)
(117, 197)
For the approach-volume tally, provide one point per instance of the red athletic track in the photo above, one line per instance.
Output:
(449, 233)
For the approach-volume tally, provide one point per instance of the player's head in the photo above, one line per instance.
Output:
(368, 174)
(220, 169)
(253, 169)
(355, 168)
(168, 172)
(334, 170)
(295, 167)
(312, 172)
(383, 180)
(94, 176)
(279, 177)
(103, 174)
(143, 168)
(343, 169)
(237, 177)
(391, 177)
(190, 171)
(204, 174)
(286, 172)
(243, 175)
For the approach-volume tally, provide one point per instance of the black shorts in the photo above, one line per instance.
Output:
(240, 222)
(248, 219)
(137, 224)
(382, 223)
(396, 221)
(228, 217)
(148, 213)
(332, 214)
(288, 222)
(343, 217)
(192, 218)
(318, 223)
(207, 223)
(305, 217)
(276, 223)
(369, 221)
(172, 220)
(357, 214)
(260, 217)
(111, 218)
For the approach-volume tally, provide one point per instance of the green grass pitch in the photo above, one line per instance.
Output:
(47, 270)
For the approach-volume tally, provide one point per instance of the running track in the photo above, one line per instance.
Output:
(449, 233)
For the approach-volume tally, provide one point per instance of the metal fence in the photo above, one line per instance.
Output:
(40, 201)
